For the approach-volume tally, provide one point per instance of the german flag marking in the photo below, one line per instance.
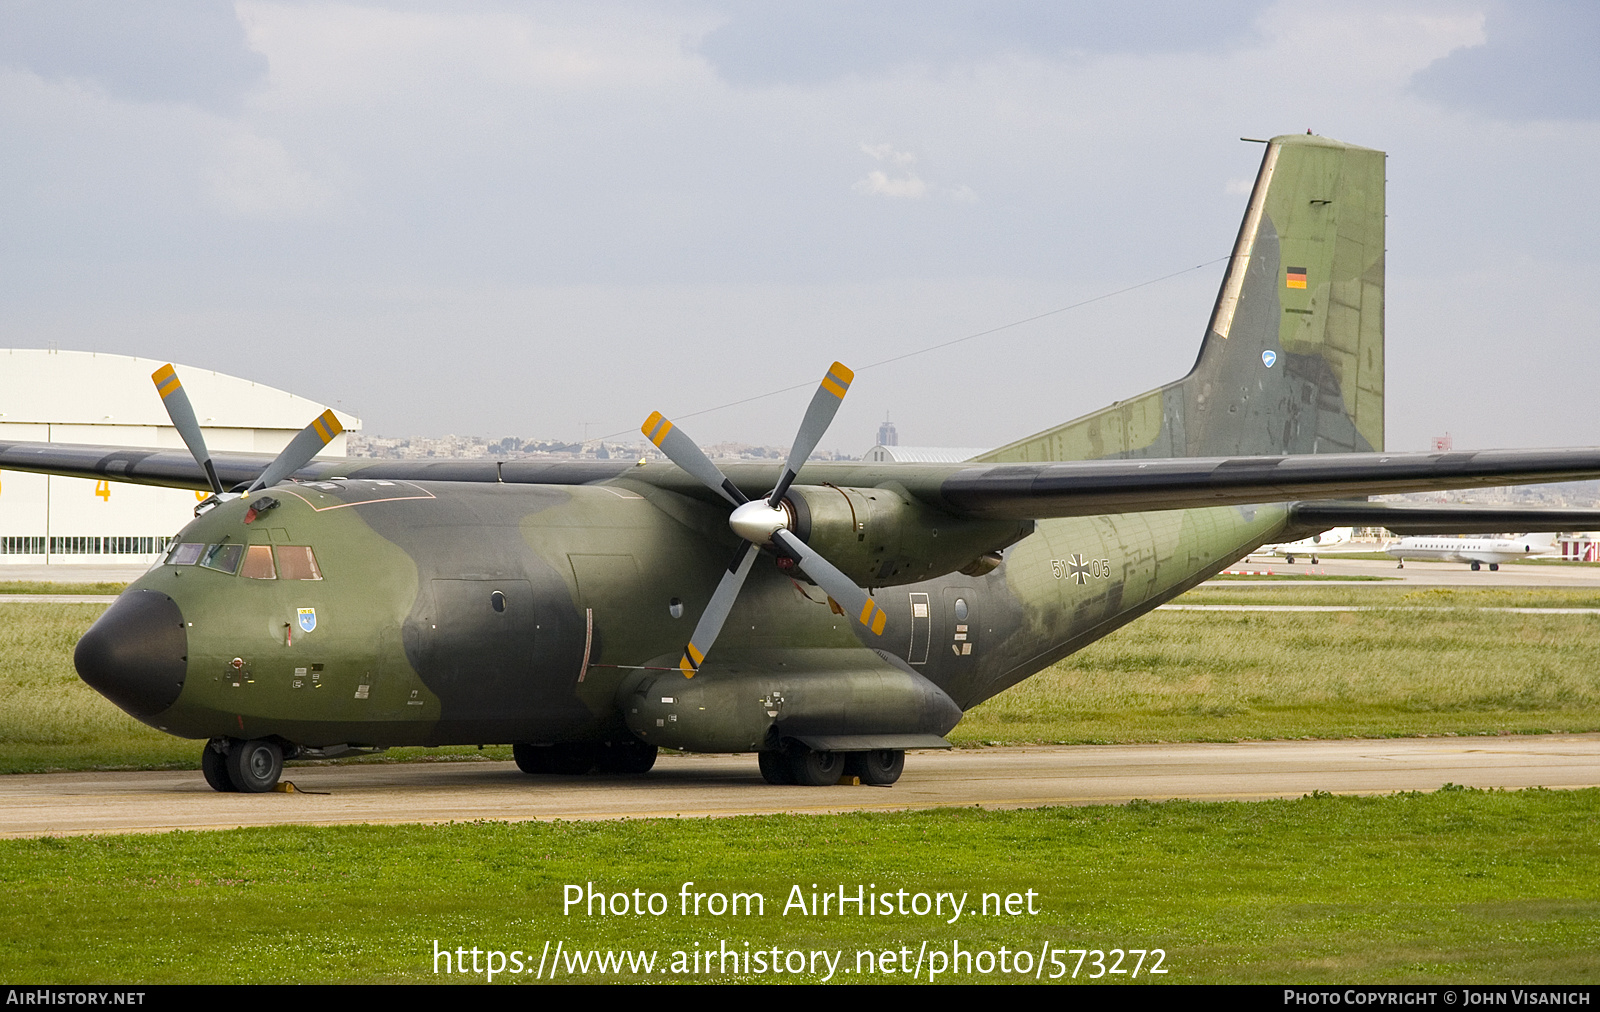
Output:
(1295, 277)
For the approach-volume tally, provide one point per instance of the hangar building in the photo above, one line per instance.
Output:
(49, 396)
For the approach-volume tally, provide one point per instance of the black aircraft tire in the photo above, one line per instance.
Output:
(215, 767)
(1494, 567)
(878, 768)
(775, 768)
(533, 758)
(1476, 567)
(816, 769)
(627, 756)
(574, 759)
(254, 766)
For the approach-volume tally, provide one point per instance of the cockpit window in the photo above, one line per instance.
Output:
(223, 558)
(296, 562)
(258, 563)
(185, 555)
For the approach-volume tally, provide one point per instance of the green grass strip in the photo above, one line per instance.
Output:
(1458, 886)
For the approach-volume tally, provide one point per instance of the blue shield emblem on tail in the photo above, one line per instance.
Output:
(308, 619)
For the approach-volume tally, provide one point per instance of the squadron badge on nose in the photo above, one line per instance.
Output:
(308, 619)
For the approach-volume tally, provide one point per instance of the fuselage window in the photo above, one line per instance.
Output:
(498, 601)
(296, 562)
(223, 558)
(185, 555)
(258, 563)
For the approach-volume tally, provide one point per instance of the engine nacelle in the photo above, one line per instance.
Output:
(756, 700)
(881, 537)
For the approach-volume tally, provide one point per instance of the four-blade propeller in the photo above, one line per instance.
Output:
(765, 522)
(305, 445)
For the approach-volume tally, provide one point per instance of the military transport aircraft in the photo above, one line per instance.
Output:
(827, 616)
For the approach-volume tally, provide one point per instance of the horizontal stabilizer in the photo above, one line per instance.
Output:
(1423, 518)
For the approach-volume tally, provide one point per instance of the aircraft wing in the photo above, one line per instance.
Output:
(978, 491)
(1079, 488)
(1424, 518)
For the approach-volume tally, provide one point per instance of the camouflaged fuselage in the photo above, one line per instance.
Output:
(484, 613)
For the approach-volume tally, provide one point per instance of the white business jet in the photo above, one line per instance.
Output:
(1476, 551)
(1312, 546)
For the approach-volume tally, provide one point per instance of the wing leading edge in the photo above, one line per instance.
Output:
(982, 491)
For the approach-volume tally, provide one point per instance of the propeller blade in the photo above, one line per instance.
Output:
(681, 450)
(716, 613)
(176, 401)
(307, 444)
(819, 415)
(860, 608)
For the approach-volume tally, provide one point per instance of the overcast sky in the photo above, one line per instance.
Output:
(549, 220)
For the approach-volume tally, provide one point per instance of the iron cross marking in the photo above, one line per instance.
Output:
(1078, 569)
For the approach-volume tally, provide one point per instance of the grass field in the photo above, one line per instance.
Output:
(1456, 885)
(1425, 662)
(1459, 886)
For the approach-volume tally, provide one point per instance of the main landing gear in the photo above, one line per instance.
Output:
(622, 755)
(796, 764)
(246, 767)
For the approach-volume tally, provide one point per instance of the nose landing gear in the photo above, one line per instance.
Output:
(246, 767)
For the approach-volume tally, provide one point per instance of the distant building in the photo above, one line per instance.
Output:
(887, 436)
(84, 397)
(891, 454)
(1580, 547)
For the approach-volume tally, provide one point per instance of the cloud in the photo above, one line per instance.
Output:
(1536, 61)
(877, 181)
(255, 177)
(763, 44)
(905, 183)
(190, 51)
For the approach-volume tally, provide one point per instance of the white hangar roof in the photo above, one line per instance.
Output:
(40, 386)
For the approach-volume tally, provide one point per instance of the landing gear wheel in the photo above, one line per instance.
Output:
(775, 768)
(878, 768)
(1289, 559)
(533, 758)
(1494, 567)
(1476, 566)
(574, 759)
(816, 769)
(214, 764)
(1316, 561)
(254, 766)
(571, 758)
(627, 755)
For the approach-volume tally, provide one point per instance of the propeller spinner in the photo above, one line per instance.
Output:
(305, 445)
(764, 522)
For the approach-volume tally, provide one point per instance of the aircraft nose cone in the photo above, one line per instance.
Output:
(136, 654)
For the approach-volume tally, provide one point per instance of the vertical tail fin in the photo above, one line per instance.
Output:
(1292, 361)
